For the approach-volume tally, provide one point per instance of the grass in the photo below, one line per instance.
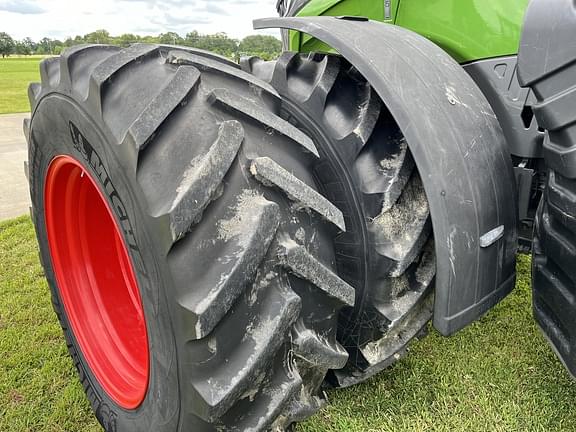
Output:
(15, 75)
(497, 375)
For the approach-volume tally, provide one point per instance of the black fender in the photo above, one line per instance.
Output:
(459, 149)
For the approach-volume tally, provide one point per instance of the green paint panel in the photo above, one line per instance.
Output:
(368, 8)
(467, 29)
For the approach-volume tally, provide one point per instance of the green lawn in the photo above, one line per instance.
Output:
(497, 375)
(15, 75)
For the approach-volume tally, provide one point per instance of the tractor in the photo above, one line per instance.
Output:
(224, 240)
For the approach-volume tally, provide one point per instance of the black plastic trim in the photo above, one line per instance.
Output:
(512, 104)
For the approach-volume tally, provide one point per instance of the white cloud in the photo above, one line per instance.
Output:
(63, 18)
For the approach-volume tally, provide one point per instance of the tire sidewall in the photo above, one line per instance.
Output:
(63, 128)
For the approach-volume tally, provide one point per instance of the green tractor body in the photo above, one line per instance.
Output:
(483, 39)
(467, 30)
(530, 94)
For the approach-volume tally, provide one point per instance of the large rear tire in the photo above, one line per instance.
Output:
(367, 171)
(173, 165)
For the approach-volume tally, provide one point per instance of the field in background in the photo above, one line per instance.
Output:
(15, 75)
(497, 375)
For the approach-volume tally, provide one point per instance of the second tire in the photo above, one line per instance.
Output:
(366, 169)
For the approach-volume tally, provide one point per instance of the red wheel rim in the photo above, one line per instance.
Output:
(96, 282)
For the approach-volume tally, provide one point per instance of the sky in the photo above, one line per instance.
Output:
(58, 19)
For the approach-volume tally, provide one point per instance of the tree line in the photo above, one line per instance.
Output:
(267, 47)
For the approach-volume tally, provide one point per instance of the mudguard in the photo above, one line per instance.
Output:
(459, 149)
